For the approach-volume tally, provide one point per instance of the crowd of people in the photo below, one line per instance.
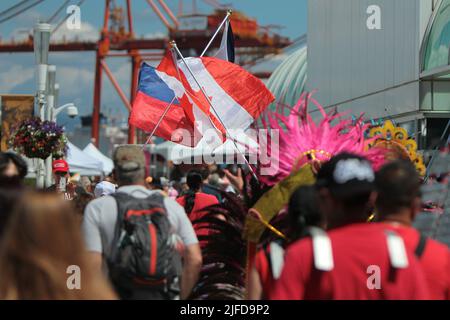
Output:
(140, 237)
(88, 211)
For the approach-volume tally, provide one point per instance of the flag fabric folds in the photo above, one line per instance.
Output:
(236, 96)
(226, 49)
(151, 100)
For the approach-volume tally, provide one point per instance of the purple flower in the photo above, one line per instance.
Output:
(45, 137)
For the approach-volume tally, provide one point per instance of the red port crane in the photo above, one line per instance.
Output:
(117, 39)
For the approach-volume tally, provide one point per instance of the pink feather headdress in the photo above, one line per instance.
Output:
(302, 140)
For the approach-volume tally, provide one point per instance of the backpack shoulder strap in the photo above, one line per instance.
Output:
(122, 199)
(158, 198)
(276, 259)
(396, 250)
(420, 249)
(322, 249)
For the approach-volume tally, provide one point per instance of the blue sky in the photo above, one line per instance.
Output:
(75, 71)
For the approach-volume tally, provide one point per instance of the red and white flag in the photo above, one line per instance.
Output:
(237, 97)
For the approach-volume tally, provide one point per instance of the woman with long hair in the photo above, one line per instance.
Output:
(195, 201)
(13, 170)
(42, 255)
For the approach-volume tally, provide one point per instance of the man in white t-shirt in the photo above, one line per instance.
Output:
(100, 216)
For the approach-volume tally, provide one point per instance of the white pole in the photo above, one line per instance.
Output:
(48, 161)
(174, 45)
(40, 181)
(51, 78)
(159, 122)
(229, 12)
(40, 164)
(40, 174)
(41, 39)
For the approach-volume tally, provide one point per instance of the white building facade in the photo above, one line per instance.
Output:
(389, 59)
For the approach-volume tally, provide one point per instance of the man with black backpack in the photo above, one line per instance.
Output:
(398, 203)
(145, 239)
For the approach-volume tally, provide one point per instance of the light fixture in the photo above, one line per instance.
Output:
(41, 40)
(71, 109)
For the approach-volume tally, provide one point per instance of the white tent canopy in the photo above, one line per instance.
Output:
(82, 163)
(203, 152)
(92, 151)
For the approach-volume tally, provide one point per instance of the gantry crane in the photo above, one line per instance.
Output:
(117, 39)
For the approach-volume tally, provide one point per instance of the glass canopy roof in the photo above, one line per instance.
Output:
(437, 50)
(288, 80)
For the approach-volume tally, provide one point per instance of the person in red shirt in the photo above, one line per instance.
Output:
(398, 203)
(355, 260)
(195, 201)
(269, 261)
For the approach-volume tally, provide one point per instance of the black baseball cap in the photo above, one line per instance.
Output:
(347, 175)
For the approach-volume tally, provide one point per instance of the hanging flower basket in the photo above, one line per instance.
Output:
(35, 138)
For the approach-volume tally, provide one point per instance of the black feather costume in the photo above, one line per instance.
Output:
(224, 254)
(225, 250)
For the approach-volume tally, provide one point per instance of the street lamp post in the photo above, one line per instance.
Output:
(56, 94)
(51, 82)
(41, 42)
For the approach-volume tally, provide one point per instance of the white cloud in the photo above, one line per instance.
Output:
(87, 32)
(20, 34)
(155, 35)
(122, 74)
(74, 81)
(77, 85)
(14, 76)
(83, 60)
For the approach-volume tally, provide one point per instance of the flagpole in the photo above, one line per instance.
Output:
(159, 121)
(174, 45)
(229, 12)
